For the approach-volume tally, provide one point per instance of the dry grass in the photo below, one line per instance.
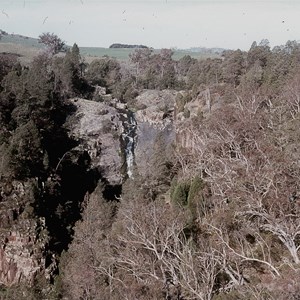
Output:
(26, 53)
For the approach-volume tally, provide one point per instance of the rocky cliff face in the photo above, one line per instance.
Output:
(155, 121)
(98, 127)
(21, 256)
(23, 238)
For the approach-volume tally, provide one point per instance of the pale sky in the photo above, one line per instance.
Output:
(155, 23)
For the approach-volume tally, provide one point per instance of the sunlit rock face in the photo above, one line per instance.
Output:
(97, 127)
(156, 108)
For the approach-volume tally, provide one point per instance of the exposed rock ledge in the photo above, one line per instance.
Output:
(156, 108)
(97, 126)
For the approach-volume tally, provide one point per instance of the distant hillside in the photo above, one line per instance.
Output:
(91, 53)
(127, 46)
(22, 40)
(26, 48)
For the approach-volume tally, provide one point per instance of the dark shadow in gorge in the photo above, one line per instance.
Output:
(61, 202)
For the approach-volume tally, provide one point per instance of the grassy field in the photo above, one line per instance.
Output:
(27, 48)
(123, 54)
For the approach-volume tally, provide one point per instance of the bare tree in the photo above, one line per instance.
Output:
(240, 150)
(244, 251)
(152, 249)
(53, 43)
(285, 227)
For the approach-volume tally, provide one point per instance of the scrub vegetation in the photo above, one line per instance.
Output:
(216, 217)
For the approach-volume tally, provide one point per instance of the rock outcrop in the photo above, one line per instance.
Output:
(156, 108)
(155, 123)
(98, 127)
(23, 237)
(21, 255)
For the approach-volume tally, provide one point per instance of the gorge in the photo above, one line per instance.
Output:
(152, 178)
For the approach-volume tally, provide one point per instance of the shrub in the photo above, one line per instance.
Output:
(180, 193)
(195, 199)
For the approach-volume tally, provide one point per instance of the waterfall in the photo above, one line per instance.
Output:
(128, 137)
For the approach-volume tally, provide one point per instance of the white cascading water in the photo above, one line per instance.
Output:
(129, 140)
